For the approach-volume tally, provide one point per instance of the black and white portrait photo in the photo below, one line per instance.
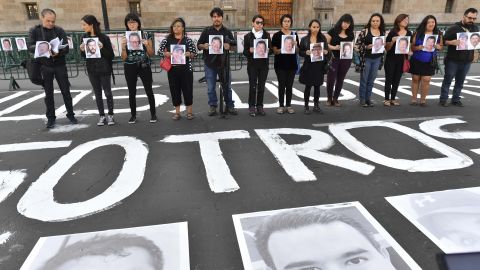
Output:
(215, 44)
(450, 218)
(346, 50)
(92, 50)
(157, 247)
(343, 236)
(21, 44)
(134, 40)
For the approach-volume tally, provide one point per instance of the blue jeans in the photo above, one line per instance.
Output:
(211, 77)
(367, 77)
(459, 72)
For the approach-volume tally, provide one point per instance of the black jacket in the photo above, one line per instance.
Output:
(248, 43)
(312, 73)
(452, 53)
(100, 65)
(40, 33)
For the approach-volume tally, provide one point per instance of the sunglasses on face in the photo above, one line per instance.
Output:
(258, 22)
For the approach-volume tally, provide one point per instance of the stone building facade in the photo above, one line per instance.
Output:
(159, 13)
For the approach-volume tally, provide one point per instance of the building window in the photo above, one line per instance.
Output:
(449, 6)
(32, 11)
(135, 8)
(387, 6)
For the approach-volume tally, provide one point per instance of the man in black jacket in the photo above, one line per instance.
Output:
(53, 67)
(457, 63)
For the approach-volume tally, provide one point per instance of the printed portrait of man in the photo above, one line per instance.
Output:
(6, 45)
(42, 49)
(134, 40)
(178, 54)
(119, 251)
(288, 44)
(91, 48)
(451, 218)
(346, 50)
(21, 44)
(216, 45)
(429, 43)
(340, 237)
(261, 49)
(378, 45)
(474, 43)
(316, 52)
(402, 45)
(463, 39)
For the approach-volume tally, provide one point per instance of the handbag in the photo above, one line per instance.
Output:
(34, 72)
(406, 64)
(166, 62)
(328, 65)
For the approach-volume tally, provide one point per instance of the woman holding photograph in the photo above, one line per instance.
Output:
(257, 68)
(394, 62)
(369, 63)
(180, 77)
(99, 69)
(137, 64)
(422, 63)
(341, 32)
(312, 73)
(285, 65)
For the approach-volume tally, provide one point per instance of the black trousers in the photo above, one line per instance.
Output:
(257, 77)
(316, 94)
(393, 75)
(98, 82)
(285, 84)
(61, 75)
(132, 72)
(180, 79)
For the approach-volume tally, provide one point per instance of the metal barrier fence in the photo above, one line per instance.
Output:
(11, 69)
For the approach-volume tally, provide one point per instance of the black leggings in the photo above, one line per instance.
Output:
(285, 84)
(393, 75)
(98, 82)
(316, 94)
(132, 72)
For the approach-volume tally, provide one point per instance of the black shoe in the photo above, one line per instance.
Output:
(212, 111)
(457, 103)
(260, 111)
(50, 123)
(317, 109)
(363, 104)
(307, 111)
(369, 103)
(132, 120)
(443, 103)
(232, 111)
(153, 119)
(72, 119)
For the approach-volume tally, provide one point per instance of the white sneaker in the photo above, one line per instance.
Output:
(110, 120)
(101, 121)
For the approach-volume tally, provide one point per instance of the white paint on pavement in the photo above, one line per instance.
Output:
(9, 182)
(288, 156)
(434, 128)
(453, 160)
(4, 237)
(67, 128)
(218, 173)
(39, 203)
(33, 146)
(10, 97)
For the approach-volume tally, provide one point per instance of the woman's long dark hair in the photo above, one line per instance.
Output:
(382, 22)
(348, 19)
(423, 25)
(180, 20)
(398, 20)
(92, 20)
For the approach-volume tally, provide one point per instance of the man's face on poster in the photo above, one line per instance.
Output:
(316, 52)
(377, 46)
(6, 45)
(92, 47)
(403, 45)
(474, 39)
(134, 42)
(216, 45)
(335, 245)
(288, 44)
(261, 49)
(20, 43)
(42, 48)
(461, 230)
(430, 43)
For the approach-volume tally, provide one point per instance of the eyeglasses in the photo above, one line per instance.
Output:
(258, 22)
(471, 18)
